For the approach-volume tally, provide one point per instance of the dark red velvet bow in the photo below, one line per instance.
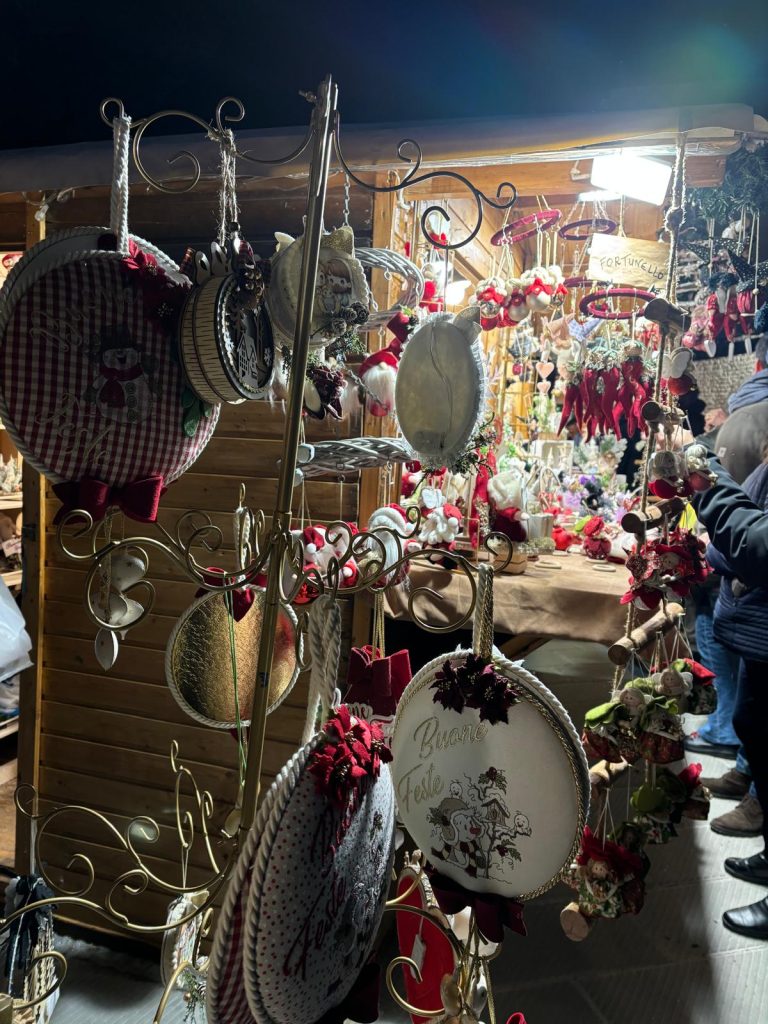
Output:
(492, 913)
(376, 681)
(241, 599)
(361, 1003)
(138, 500)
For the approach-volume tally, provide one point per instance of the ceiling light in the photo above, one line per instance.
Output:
(598, 196)
(454, 293)
(634, 176)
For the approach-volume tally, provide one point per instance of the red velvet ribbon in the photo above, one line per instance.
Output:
(376, 681)
(361, 1004)
(139, 500)
(241, 599)
(492, 913)
(537, 286)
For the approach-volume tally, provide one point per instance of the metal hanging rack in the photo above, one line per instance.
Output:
(271, 547)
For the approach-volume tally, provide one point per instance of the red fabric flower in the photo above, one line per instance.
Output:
(353, 750)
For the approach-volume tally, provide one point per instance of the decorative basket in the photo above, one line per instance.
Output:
(352, 454)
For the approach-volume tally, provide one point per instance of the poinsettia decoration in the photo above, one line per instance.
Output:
(163, 296)
(475, 684)
(351, 751)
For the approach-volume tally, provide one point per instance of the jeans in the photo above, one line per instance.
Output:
(750, 720)
(725, 665)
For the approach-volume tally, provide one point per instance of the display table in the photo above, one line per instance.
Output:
(557, 597)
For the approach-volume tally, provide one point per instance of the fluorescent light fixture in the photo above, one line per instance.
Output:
(636, 176)
(598, 196)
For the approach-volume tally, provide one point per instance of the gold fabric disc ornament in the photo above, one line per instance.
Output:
(211, 655)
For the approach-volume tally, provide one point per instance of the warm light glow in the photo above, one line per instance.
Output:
(455, 291)
(598, 196)
(634, 176)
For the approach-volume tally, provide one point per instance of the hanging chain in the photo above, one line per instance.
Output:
(346, 201)
(378, 625)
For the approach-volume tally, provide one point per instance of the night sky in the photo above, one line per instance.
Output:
(394, 61)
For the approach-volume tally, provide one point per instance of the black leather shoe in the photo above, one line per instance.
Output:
(694, 744)
(751, 921)
(750, 869)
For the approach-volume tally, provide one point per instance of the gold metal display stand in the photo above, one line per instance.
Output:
(270, 548)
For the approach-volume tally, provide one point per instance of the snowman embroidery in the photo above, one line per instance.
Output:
(124, 386)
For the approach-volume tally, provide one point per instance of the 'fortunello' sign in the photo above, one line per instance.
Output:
(630, 261)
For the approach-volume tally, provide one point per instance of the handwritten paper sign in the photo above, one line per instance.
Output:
(630, 261)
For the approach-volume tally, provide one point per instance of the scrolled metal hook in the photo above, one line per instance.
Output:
(104, 107)
(220, 117)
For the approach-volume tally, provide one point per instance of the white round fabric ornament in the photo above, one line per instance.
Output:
(440, 387)
(490, 778)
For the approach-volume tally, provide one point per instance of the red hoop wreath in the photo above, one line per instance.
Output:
(587, 304)
(599, 226)
(581, 282)
(541, 220)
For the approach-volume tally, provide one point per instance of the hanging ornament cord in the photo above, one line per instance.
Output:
(239, 531)
(673, 222)
(228, 209)
(324, 638)
(378, 639)
(482, 629)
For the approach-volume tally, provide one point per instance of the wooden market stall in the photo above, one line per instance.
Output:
(103, 740)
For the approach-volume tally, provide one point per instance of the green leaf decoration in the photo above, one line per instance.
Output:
(191, 419)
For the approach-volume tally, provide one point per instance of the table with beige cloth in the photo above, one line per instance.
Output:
(557, 597)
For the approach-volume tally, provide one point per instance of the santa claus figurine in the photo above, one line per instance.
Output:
(378, 371)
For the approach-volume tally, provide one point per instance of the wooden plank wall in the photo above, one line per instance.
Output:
(105, 738)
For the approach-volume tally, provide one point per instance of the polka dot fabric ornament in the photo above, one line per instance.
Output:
(91, 388)
(306, 897)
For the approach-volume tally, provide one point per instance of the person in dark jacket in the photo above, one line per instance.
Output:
(742, 441)
(737, 522)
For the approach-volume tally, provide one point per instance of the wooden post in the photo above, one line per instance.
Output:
(33, 592)
(644, 634)
(639, 522)
(374, 426)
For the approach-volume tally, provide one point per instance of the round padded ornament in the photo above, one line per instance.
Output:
(91, 386)
(227, 348)
(490, 777)
(340, 285)
(319, 883)
(203, 645)
(440, 387)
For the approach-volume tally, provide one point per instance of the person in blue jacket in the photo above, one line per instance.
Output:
(736, 519)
